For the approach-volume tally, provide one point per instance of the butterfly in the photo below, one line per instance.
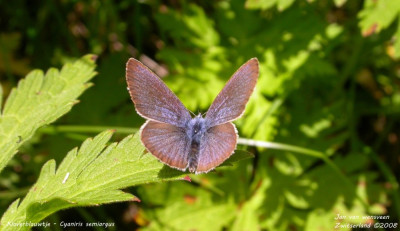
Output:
(198, 144)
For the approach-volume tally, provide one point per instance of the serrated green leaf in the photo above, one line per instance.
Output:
(92, 175)
(39, 100)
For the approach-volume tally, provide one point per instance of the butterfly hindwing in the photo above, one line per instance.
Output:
(217, 145)
(167, 142)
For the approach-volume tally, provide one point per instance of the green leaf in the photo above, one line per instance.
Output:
(186, 207)
(1, 97)
(266, 4)
(260, 4)
(192, 28)
(284, 4)
(247, 217)
(397, 41)
(39, 100)
(339, 3)
(198, 58)
(319, 219)
(92, 175)
(378, 15)
(237, 156)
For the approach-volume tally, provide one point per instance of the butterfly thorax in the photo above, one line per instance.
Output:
(196, 130)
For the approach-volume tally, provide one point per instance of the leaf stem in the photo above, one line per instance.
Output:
(89, 129)
(387, 173)
(9, 195)
(300, 150)
(248, 142)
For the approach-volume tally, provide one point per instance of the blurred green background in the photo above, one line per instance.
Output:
(329, 81)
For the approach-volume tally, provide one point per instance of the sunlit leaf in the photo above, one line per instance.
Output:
(186, 207)
(266, 4)
(39, 100)
(339, 3)
(1, 97)
(247, 217)
(377, 15)
(92, 175)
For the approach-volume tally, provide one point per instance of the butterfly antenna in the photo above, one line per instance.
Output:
(199, 113)
(191, 112)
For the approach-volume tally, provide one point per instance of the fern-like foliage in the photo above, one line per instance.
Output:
(91, 175)
(39, 100)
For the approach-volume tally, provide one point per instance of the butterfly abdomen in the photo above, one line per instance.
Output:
(193, 156)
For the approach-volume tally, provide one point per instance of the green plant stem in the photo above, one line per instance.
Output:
(307, 152)
(354, 140)
(387, 173)
(9, 195)
(273, 145)
(384, 134)
(351, 63)
(276, 104)
(300, 150)
(88, 217)
(89, 129)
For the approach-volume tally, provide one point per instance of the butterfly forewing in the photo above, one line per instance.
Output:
(166, 142)
(217, 144)
(231, 101)
(153, 99)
